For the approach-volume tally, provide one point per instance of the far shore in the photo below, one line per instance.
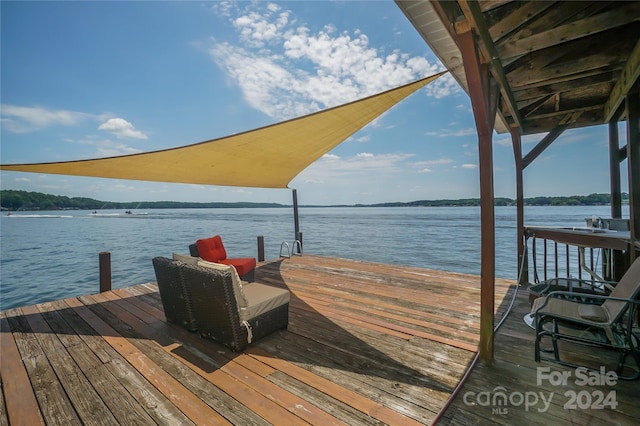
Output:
(14, 200)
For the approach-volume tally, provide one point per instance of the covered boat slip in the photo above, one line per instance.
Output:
(366, 344)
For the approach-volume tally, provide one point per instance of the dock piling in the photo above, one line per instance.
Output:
(260, 248)
(105, 271)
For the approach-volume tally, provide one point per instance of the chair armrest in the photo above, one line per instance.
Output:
(557, 294)
(565, 294)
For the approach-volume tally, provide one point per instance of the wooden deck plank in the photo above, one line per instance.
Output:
(161, 351)
(18, 395)
(217, 371)
(55, 406)
(328, 387)
(194, 408)
(366, 377)
(515, 370)
(112, 392)
(156, 405)
(88, 405)
(366, 344)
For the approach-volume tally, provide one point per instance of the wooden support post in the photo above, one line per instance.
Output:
(523, 267)
(260, 248)
(105, 271)
(633, 162)
(614, 170)
(484, 100)
(296, 220)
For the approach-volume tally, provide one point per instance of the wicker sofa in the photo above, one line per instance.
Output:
(211, 299)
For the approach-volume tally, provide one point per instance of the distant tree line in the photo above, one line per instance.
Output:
(574, 200)
(24, 200)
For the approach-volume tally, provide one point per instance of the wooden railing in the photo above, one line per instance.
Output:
(582, 253)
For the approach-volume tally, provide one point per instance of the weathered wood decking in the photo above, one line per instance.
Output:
(514, 373)
(366, 344)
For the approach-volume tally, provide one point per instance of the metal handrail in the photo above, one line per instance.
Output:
(296, 244)
(288, 250)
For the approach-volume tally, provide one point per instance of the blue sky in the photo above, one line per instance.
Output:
(92, 79)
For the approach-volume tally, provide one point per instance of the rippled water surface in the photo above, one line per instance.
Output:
(52, 255)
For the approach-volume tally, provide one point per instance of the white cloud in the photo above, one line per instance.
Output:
(439, 161)
(20, 119)
(445, 133)
(111, 149)
(285, 69)
(330, 157)
(364, 165)
(365, 155)
(503, 141)
(104, 147)
(121, 128)
(469, 166)
(256, 30)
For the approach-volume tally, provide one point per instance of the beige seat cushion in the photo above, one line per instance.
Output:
(262, 298)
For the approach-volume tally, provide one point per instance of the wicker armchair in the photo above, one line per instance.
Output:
(223, 308)
(176, 300)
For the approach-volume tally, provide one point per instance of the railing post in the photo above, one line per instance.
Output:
(105, 271)
(260, 248)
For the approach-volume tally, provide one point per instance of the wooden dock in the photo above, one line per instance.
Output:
(576, 400)
(366, 344)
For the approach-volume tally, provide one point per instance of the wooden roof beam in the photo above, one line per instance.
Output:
(517, 19)
(492, 4)
(474, 17)
(594, 24)
(560, 13)
(624, 84)
(566, 113)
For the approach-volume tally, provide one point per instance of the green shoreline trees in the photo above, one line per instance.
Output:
(13, 200)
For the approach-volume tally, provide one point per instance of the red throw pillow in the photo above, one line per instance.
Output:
(211, 249)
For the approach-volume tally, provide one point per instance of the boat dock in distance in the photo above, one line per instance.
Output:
(366, 344)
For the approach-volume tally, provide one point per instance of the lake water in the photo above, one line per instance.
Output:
(52, 255)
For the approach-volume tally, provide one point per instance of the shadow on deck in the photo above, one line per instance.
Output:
(366, 344)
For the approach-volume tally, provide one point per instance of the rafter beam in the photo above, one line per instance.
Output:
(572, 31)
(517, 19)
(492, 4)
(566, 113)
(473, 15)
(626, 81)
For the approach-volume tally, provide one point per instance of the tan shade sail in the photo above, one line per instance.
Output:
(268, 157)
